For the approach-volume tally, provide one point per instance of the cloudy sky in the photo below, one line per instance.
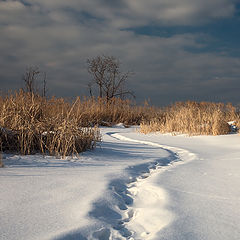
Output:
(178, 49)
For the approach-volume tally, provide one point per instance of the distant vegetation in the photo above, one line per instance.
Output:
(32, 123)
(193, 118)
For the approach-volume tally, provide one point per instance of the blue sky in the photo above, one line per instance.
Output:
(178, 49)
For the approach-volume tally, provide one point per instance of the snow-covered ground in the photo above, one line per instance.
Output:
(133, 186)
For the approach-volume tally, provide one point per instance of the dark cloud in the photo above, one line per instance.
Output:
(58, 36)
(125, 13)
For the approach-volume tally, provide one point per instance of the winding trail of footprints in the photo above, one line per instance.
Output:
(144, 217)
(133, 205)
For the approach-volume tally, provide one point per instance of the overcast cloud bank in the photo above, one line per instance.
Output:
(58, 36)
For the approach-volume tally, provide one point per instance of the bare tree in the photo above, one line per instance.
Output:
(44, 90)
(30, 78)
(106, 74)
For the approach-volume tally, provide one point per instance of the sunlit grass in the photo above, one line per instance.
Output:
(193, 118)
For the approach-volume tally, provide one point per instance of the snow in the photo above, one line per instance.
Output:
(233, 126)
(133, 186)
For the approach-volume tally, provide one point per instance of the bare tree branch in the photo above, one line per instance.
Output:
(106, 74)
(30, 78)
(44, 85)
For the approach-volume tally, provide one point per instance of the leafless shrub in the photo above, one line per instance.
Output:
(31, 81)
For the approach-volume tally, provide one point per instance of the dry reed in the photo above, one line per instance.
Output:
(1, 162)
(31, 124)
(193, 118)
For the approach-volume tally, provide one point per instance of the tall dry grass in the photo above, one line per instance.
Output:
(30, 124)
(193, 118)
(1, 162)
(100, 111)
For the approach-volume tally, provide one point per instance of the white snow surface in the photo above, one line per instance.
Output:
(133, 186)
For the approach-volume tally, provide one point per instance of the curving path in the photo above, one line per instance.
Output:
(132, 206)
(150, 213)
(204, 194)
(133, 186)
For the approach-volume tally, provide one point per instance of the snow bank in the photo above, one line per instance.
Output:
(133, 186)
